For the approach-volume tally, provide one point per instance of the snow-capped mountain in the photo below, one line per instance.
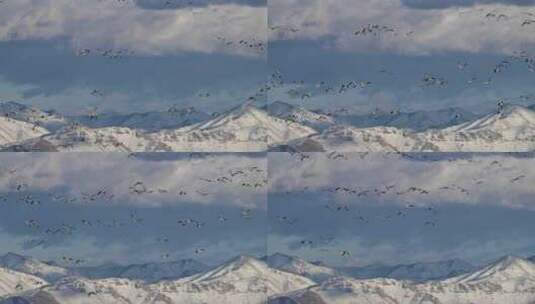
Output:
(31, 266)
(414, 272)
(240, 280)
(509, 280)
(13, 282)
(292, 264)
(13, 131)
(513, 122)
(513, 273)
(278, 127)
(149, 121)
(242, 129)
(349, 139)
(245, 279)
(48, 120)
(511, 130)
(317, 121)
(78, 138)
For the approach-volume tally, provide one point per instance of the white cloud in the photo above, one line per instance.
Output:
(417, 31)
(70, 175)
(498, 179)
(116, 25)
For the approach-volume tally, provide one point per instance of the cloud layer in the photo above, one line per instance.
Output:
(406, 30)
(102, 207)
(135, 181)
(127, 26)
(430, 207)
(421, 179)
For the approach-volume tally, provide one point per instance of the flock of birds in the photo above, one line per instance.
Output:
(337, 202)
(20, 192)
(43, 234)
(251, 44)
(300, 90)
(304, 92)
(347, 203)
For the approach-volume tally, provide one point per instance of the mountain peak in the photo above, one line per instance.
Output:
(242, 109)
(512, 122)
(507, 268)
(243, 260)
(32, 266)
(516, 110)
(298, 266)
(508, 261)
(238, 268)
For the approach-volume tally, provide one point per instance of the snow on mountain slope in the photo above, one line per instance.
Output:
(12, 131)
(514, 122)
(110, 139)
(244, 128)
(149, 121)
(343, 290)
(349, 139)
(282, 127)
(48, 120)
(512, 130)
(246, 274)
(509, 280)
(300, 267)
(241, 280)
(249, 280)
(75, 290)
(513, 274)
(12, 282)
(84, 139)
(32, 266)
(300, 115)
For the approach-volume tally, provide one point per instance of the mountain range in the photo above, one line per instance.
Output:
(508, 280)
(280, 278)
(275, 127)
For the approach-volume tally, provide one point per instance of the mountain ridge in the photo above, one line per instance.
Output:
(275, 127)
